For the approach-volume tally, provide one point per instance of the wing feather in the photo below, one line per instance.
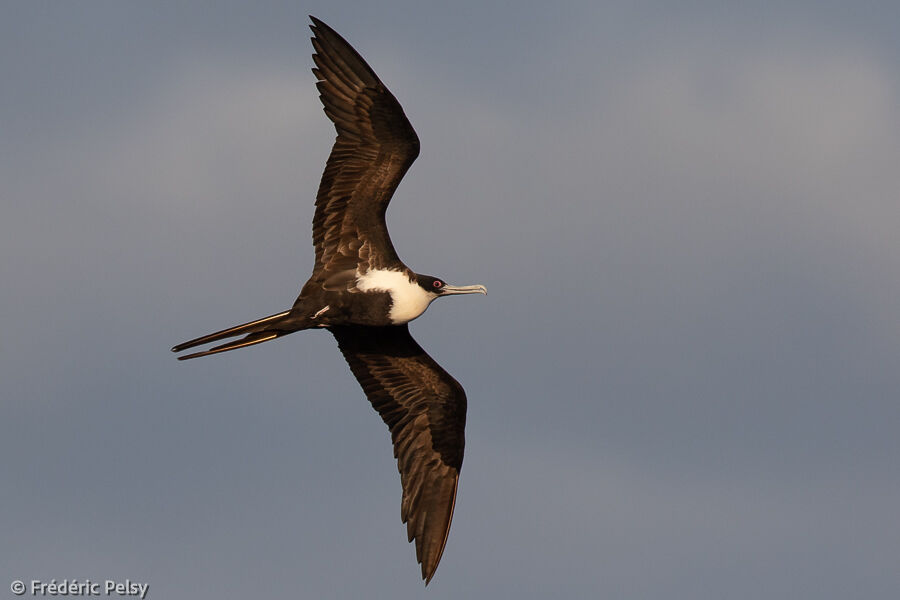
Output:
(425, 409)
(375, 146)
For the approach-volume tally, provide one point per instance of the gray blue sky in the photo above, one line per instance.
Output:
(683, 384)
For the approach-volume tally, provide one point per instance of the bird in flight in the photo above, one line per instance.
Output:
(365, 295)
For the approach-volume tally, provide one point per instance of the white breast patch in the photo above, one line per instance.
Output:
(408, 299)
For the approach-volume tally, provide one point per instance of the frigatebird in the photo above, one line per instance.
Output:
(365, 295)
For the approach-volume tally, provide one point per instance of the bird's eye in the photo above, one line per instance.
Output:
(438, 283)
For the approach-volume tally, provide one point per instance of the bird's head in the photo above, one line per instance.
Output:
(438, 287)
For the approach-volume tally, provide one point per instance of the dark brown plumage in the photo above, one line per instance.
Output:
(425, 409)
(362, 292)
(374, 148)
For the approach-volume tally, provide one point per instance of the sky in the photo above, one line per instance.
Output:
(683, 382)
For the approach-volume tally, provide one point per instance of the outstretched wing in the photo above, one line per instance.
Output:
(425, 409)
(375, 146)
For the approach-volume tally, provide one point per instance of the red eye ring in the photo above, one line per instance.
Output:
(438, 283)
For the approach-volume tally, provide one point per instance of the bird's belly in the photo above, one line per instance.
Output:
(366, 308)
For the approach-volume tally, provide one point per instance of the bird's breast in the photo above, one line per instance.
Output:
(408, 298)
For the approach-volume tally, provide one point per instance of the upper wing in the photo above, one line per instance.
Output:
(375, 146)
(425, 409)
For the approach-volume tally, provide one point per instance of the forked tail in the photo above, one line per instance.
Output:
(259, 331)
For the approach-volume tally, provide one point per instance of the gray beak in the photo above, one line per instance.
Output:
(449, 290)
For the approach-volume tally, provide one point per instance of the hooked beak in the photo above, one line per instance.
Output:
(450, 290)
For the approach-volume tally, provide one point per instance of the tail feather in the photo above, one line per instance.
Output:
(250, 340)
(260, 330)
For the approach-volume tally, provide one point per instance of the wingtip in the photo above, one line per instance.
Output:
(430, 565)
(429, 568)
(428, 575)
(317, 23)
